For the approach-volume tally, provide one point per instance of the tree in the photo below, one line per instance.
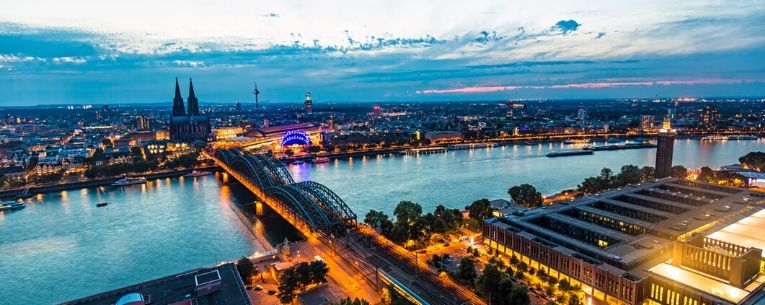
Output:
(355, 301)
(480, 209)
(246, 269)
(647, 173)
(629, 174)
(525, 195)
(597, 184)
(407, 212)
(706, 174)
(466, 270)
(520, 296)
(753, 160)
(489, 282)
(318, 271)
(373, 218)
(288, 286)
(679, 171)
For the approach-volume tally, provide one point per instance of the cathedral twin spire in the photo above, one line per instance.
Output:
(178, 108)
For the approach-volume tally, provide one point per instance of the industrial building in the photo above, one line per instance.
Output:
(669, 242)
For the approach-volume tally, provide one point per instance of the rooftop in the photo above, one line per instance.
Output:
(625, 228)
(179, 288)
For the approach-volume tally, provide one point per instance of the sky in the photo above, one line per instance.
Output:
(81, 51)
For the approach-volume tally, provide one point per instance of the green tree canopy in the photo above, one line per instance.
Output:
(466, 270)
(480, 209)
(679, 171)
(407, 212)
(525, 195)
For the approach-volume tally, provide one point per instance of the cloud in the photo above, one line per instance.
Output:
(600, 35)
(592, 85)
(566, 27)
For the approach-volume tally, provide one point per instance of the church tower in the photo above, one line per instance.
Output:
(193, 101)
(178, 109)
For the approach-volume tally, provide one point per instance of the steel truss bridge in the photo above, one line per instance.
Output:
(308, 205)
(317, 212)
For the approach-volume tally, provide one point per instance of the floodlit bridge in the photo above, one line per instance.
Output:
(317, 212)
(309, 206)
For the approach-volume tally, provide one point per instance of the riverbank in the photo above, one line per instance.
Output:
(83, 182)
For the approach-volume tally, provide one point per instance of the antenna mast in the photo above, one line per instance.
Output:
(256, 93)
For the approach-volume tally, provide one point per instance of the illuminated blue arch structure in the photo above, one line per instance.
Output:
(296, 137)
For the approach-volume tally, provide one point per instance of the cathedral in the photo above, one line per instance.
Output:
(188, 126)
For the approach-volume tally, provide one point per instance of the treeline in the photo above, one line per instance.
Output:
(754, 160)
(120, 169)
(296, 279)
(606, 180)
(185, 161)
(140, 165)
(721, 177)
(412, 229)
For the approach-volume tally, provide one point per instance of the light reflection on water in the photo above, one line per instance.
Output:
(61, 246)
(456, 178)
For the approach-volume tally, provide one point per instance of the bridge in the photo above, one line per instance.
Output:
(311, 207)
(318, 213)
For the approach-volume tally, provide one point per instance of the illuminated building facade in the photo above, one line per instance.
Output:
(227, 132)
(709, 117)
(667, 242)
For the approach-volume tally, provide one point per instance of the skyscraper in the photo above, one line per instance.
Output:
(308, 103)
(665, 145)
(142, 122)
(709, 117)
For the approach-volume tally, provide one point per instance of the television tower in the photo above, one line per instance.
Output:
(256, 93)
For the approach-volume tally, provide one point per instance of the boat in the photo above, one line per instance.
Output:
(743, 137)
(614, 140)
(196, 173)
(577, 141)
(129, 181)
(570, 152)
(714, 138)
(13, 205)
(318, 160)
(298, 162)
(102, 204)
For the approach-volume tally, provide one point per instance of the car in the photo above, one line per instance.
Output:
(271, 292)
(248, 287)
(258, 288)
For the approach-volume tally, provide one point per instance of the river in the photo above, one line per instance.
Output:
(63, 247)
(457, 178)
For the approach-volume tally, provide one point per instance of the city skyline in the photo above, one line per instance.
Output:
(96, 53)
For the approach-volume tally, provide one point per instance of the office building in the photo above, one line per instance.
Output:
(666, 242)
(665, 146)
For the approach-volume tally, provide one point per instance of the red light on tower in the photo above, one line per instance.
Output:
(377, 110)
(510, 108)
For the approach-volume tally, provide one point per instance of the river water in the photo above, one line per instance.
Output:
(457, 178)
(63, 247)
